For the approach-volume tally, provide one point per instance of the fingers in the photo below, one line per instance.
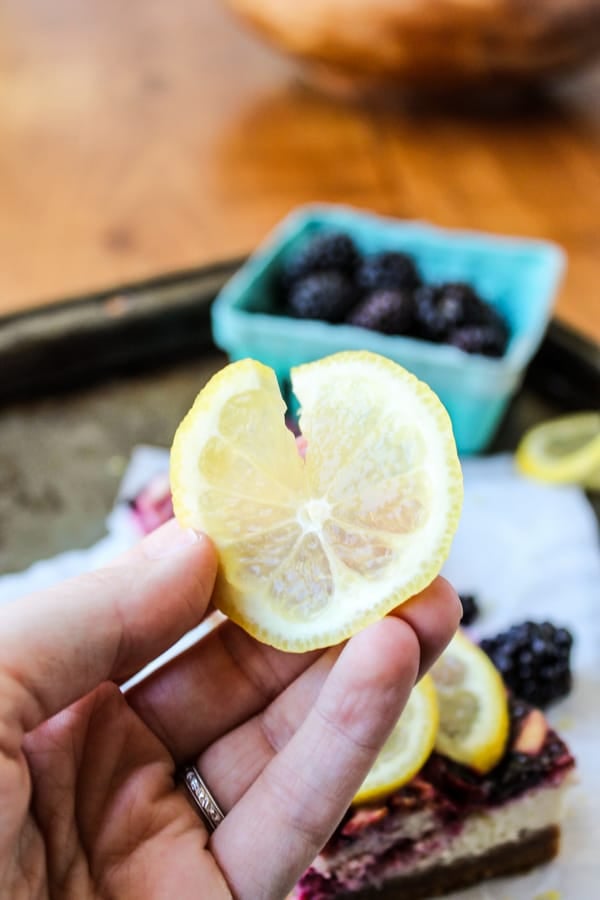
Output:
(229, 677)
(434, 620)
(231, 764)
(58, 645)
(212, 688)
(301, 795)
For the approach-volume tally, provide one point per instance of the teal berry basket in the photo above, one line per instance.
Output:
(519, 277)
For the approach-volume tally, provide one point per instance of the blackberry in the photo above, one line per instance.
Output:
(490, 316)
(388, 311)
(489, 340)
(332, 251)
(518, 771)
(453, 312)
(387, 271)
(432, 318)
(464, 305)
(494, 334)
(325, 295)
(470, 608)
(534, 661)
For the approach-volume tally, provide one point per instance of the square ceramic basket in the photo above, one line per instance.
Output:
(519, 277)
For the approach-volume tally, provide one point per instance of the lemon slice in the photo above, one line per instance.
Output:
(408, 747)
(311, 550)
(564, 450)
(474, 720)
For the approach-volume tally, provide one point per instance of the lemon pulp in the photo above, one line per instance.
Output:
(564, 450)
(311, 550)
(474, 719)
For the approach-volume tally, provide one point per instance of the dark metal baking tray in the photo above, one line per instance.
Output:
(90, 378)
(135, 326)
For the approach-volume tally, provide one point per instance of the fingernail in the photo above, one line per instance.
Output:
(169, 539)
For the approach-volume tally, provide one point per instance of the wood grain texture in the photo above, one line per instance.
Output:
(143, 137)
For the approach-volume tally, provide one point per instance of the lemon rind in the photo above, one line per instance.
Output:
(487, 747)
(226, 597)
(581, 466)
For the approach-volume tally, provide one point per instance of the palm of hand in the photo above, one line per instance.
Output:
(90, 806)
(106, 818)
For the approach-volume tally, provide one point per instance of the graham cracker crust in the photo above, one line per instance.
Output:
(508, 859)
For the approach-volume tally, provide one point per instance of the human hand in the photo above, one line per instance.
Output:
(89, 801)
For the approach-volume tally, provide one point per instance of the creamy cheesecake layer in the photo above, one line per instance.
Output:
(485, 830)
(450, 826)
(403, 828)
(479, 833)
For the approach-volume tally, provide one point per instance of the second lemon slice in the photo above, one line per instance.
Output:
(564, 450)
(474, 719)
(311, 550)
(408, 747)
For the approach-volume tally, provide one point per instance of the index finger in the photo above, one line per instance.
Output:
(58, 645)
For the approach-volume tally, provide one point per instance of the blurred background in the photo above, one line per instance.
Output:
(147, 139)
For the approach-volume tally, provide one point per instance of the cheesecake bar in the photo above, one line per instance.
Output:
(450, 827)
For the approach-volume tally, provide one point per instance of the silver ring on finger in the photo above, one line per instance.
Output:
(204, 802)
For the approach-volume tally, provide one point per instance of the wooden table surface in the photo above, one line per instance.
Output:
(149, 136)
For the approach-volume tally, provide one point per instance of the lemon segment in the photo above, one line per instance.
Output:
(474, 717)
(563, 451)
(312, 550)
(408, 747)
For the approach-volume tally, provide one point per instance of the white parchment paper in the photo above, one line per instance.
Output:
(532, 552)
(529, 551)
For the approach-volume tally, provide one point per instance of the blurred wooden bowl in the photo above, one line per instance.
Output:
(432, 44)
